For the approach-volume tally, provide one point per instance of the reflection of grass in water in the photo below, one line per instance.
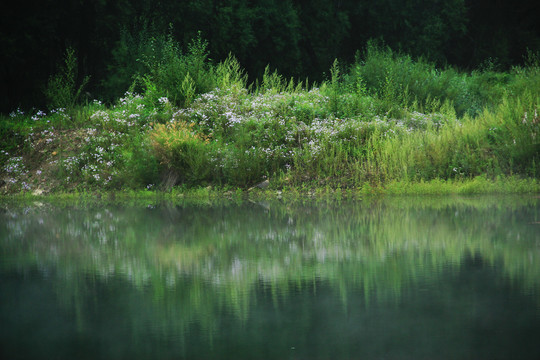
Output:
(227, 251)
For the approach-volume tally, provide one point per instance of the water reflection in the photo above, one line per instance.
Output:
(397, 278)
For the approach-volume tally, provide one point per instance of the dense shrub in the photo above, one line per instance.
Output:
(182, 151)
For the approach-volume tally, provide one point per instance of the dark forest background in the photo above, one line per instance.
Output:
(298, 38)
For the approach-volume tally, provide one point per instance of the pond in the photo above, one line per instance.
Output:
(400, 278)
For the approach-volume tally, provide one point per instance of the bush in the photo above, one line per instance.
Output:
(126, 60)
(177, 76)
(182, 153)
(399, 82)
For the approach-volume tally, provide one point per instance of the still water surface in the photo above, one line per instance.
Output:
(406, 278)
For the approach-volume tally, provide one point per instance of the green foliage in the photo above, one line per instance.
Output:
(387, 118)
(141, 167)
(230, 75)
(499, 142)
(334, 87)
(155, 65)
(299, 38)
(182, 152)
(13, 131)
(240, 166)
(399, 83)
(176, 76)
(126, 62)
(62, 90)
(272, 81)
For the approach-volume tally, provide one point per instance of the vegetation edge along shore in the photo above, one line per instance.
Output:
(386, 124)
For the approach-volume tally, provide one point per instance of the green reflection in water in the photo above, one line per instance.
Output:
(206, 265)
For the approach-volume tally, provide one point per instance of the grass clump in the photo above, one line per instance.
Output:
(183, 152)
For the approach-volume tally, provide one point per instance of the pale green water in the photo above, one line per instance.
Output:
(407, 278)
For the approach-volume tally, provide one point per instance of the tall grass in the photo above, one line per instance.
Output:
(398, 81)
(502, 141)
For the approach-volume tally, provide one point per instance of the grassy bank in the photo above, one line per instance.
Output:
(288, 194)
(385, 124)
